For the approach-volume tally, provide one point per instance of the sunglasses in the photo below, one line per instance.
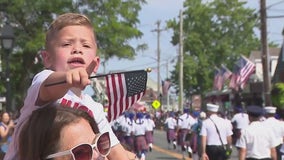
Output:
(85, 151)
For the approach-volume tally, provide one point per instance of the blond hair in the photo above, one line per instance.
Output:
(67, 19)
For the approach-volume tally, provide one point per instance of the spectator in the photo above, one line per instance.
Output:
(57, 132)
(6, 130)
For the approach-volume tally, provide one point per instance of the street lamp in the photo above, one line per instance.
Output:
(7, 41)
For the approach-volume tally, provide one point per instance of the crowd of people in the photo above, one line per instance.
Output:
(256, 132)
(135, 131)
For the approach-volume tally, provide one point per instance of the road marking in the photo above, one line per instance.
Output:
(174, 154)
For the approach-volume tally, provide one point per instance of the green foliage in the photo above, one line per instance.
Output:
(214, 33)
(277, 95)
(114, 22)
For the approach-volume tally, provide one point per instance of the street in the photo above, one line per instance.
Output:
(161, 151)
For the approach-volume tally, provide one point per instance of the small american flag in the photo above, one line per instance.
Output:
(166, 86)
(123, 90)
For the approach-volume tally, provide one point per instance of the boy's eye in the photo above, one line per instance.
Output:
(65, 44)
(87, 46)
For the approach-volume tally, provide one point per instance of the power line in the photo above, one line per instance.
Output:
(274, 4)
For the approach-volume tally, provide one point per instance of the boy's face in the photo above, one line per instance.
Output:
(72, 47)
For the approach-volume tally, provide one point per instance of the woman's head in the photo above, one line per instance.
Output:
(5, 117)
(48, 129)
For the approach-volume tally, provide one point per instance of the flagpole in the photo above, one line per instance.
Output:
(100, 75)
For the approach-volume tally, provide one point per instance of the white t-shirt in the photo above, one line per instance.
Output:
(241, 120)
(171, 123)
(185, 121)
(257, 140)
(70, 99)
(276, 126)
(208, 129)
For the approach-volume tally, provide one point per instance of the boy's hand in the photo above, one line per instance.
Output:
(78, 78)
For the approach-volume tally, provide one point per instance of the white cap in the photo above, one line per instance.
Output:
(212, 107)
(270, 109)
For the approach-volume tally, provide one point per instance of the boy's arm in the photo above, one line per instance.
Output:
(77, 78)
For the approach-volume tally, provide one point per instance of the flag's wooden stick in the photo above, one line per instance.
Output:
(97, 76)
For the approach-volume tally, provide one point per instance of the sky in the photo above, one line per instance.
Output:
(163, 10)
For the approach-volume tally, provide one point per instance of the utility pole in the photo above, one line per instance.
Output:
(265, 55)
(168, 95)
(158, 30)
(180, 104)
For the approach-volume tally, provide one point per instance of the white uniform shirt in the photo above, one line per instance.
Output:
(128, 127)
(208, 129)
(185, 121)
(241, 120)
(140, 127)
(70, 99)
(277, 127)
(171, 123)
(150, 124)
(257, 140)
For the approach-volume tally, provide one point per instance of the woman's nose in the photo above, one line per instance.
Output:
(96, 155)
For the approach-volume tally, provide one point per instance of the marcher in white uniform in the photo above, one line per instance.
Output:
(171, 126)
(214, 135)
(140, 128)
(256, 141)
(150, 131)
(240, 120)
(196, 138)
(276, 126)
(129, 130)
(185, 121)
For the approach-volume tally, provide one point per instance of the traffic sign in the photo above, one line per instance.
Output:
(156, 104)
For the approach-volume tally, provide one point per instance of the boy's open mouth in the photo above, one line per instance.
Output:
(76, 61)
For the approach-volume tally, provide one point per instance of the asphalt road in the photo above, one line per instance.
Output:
(161, 150)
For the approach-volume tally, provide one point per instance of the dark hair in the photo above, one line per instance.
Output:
(40, 135)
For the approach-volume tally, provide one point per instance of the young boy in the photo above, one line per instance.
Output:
(70, 56)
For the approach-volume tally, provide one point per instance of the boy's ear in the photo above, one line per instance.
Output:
(97, 59)
(46, 59)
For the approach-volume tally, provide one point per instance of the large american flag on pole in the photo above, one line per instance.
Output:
(217, 84)
(234, 76)
(123, 90)
(246, 69)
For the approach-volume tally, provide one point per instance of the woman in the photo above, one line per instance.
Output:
(6, 130)
(59, 132)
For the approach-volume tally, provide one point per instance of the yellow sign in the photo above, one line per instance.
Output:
(156, 104)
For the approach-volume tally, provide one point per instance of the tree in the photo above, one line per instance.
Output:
(277, 97)
(114, 22)
(215, 33)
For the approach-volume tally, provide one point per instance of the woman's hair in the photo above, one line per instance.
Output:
(40, 135)
(64, 20)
